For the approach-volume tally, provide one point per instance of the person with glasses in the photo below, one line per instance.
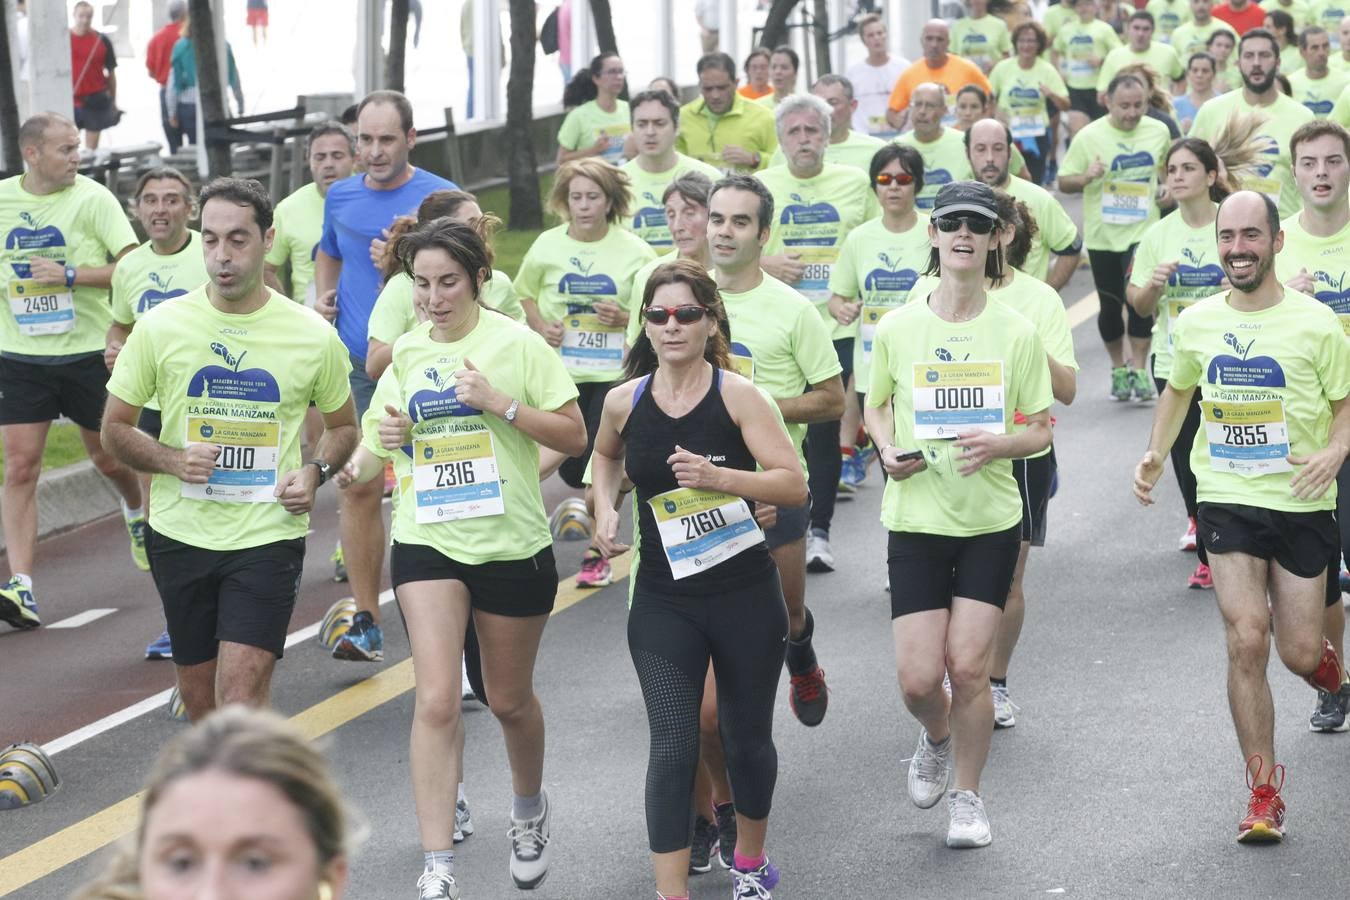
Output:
(944, 159)
(599, 121)
(948, 372)
(702, 446)
(1027, 89)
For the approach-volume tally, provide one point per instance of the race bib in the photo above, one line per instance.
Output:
(867, 328)
(952, 397)
(616, 134)
(589, 346)
(700, 529)
(1174, 308)
(246, 469)
(877, 126)
(1080, 69)
(41, 309)
(817, 263)
(1125, 202)
(455, 477)
(1028, 126)
(1248, 438)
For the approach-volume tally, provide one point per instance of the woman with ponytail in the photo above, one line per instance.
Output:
(598, 120)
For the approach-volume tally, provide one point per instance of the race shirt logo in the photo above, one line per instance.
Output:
(32, 239)
(158, 294)
(1243, 370)
(649, 222)
(583, 283)
(455, 472)
(1198, 276)
(812, 230)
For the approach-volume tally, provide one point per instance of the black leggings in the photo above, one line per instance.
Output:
(671, 639)
(824, 462)
(1181, 458)
(591, 399)
(1110, 268)
(1036, 161)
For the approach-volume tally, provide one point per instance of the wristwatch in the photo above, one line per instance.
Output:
(325, 470)
(511, 411)
(70, 275)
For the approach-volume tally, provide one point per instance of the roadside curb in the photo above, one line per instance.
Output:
(72, 496)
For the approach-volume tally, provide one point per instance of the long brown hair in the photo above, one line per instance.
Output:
(642, 357)
(461, 242)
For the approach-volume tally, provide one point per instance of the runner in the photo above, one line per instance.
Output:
(575, 284)
(1141, 48)
(1114, 163)
(783, 66)
(953, 512)
(780, 342)
(936, 67)
(1200, 89)
(685, 204)
(1315, 85)
(1080, 48)
(357, 211)
(330, 152)
(690, 436)
(1193, 36)
(656, 127)
(944, 158)
(1273, 369)
(1329, 14)
(1220, 45)
(1168, 15)
(846, 147)
(1281, 24)
(979, 37)
(231, 493)
(873, 78)
(723, 128)
(988, 143)
(756, 74)
(972, 105)
(1315, 261)
(1243, 15)
(63, 233)
(168, 265)
(819, 203)
(598, 126)
(1280, 116)
(477, 395)
(1026, 89)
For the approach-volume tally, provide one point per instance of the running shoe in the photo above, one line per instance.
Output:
(160, 648)
(852, 470)
(136, 531)
(463, 821)
(726, 833)
(1265, 810)
(465, 689)
(866, 453)
(843, 491)
(930, 772)
(1141, 386)
(530, 850)
(437, 886)
(755, 884)
(339, 564)
(390, 479)
(819, 556)
(363, 642)
(809, 697)
(1121, 389)
(1329, 716)
(1345, 581)
(1327, 676)
(570, 521)
(17, 606)
(1187, 542)
(969, 825)
(700, 851)
(595, 571)
(1202, 580)
(1005, 711)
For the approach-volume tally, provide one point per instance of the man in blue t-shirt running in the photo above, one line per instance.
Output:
(347, 280)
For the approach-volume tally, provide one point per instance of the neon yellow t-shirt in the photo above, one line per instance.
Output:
(1328, 14)
(1267, 380)
(648, 220)
(393, 315)
(1077, 45)
(1018, 92)
(878, 267)
(1298, 10)
(298, 221)
(746, 124)
(1118, 206)
(242, 382)
(1189, 38)
(983, 41)
(586, 124)
(1327, 260)
(1291, 60)
(475, 481)
(82, 226)
(1055, 232)
(1320, 95)
(566, 277)
(1167, 16)
(811, 218)
(995, 364)
(1198, 276)
(1273, 178)
(944, 161)
(855, 151)
(1161, 58)
(1340, 111)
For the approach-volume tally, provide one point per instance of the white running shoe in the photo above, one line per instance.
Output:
(530, 851)
(437, 886)
(930, 772)
(969, 825)
(1004, 709)
(463, 821)
(465, 689)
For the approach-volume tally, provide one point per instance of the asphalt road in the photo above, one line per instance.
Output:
(1121, 779)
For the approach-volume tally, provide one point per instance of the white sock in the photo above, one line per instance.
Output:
(459, 797)
(24, 580)
(440, 861)
(129, 514)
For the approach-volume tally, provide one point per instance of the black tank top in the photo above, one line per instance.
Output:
(651, 436)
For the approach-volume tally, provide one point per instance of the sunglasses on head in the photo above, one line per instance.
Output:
(902, 178)
(976, 224)
(685, 315)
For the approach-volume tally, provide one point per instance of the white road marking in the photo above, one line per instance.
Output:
(84, 618)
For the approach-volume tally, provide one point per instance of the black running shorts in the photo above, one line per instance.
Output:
(30, 392)
(928, 570)
(1301, 542)
(1033, 483)
(515, 587)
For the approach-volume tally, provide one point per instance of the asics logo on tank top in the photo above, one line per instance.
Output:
(31, 239)
(1243, 369)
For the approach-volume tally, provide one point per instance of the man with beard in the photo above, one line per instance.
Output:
(1273, 369)
(1259, 63)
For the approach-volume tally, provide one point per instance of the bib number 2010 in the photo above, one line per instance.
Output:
(236, 457)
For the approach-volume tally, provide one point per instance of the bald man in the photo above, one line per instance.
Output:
(938, 67)
(944, 156)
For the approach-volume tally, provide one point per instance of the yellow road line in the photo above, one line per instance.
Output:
(111, 823)
(1083, 310)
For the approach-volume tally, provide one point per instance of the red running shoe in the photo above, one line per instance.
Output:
(1327, 676)
(1201, 580)
(1265, 810)
(809, 697)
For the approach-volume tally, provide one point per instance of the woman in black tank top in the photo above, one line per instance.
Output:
(701, 446)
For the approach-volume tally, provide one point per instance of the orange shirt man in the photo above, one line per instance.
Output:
(939, 67)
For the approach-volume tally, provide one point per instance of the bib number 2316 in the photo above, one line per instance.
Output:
(455, 477)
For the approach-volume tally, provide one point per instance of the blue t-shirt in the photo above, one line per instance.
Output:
(353, 216)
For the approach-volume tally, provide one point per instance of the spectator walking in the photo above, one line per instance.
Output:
(257, 19)
(159, 63)
(94, 67)
(181, 92)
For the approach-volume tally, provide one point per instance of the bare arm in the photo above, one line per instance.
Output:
(140, 451)
(327, 270)
(782, 482)
(1063, 381)
(378, 357)
(296, 489)
(897, 119)
(1168, 416)
(823, 403)
(1318, 470)
(112, 344)
(562, 429)
(1062, 270)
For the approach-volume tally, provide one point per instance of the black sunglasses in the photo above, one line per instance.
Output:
(976, 224)
(685, 315)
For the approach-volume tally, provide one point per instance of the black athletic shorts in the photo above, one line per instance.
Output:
(1084, 100)
(1034, 477)
(792, 525)
(362, 385)
(31, 393)
(928, 570)
(150, 422)
(241, 596)
(1301, 542)
(515, 587)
